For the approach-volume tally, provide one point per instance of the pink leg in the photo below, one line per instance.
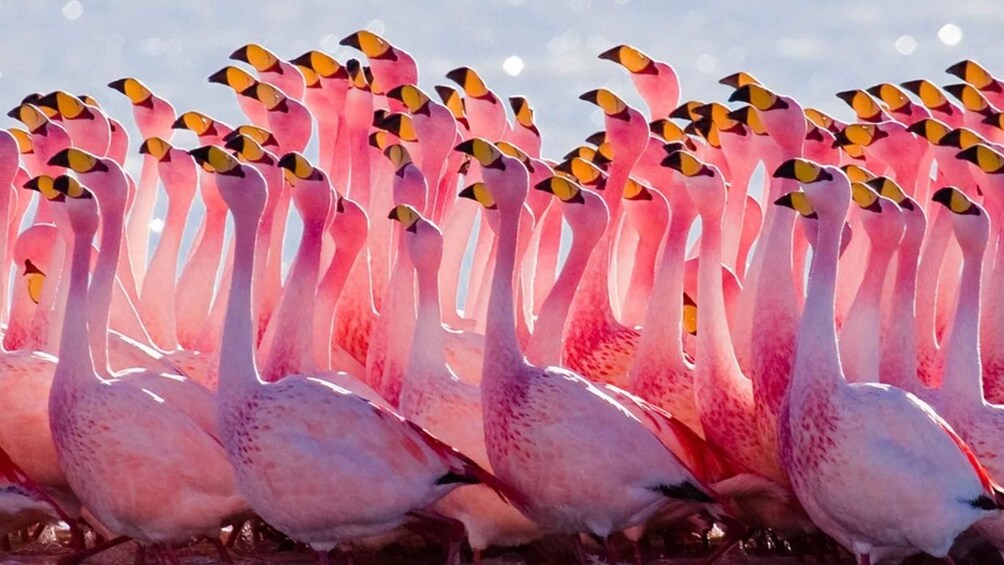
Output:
(864, 559)
(140, 558)
(731, 540)
(477, 556)
(322, 557)
(612, 556)
(221, 550)
(638, 558)
(236, 533)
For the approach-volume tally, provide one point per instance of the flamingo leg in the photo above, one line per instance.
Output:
(140, 558)
(638, 558)
(580, 552)
(865, 559)
(322, 558)
(236, 533)
(731, 541)
(221, 550)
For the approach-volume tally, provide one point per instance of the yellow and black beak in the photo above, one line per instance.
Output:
(196, 122)
(484, 151)
(961, 138)
(865, 107)
(44, 184)
(67, 105)
(135, 90)
(972, 99)
(687, 111)
(929, 94)
(271, 97)
(635, 190)
(890, 94)
(401, 125)
(297, 167)
(262, 136)
(974, 74)
(472, 84)
(246, 148)
(78, 161)
(32, 117)
(34, 280)
(739, 80)
(258, 57)
(955, 200)
(407, 216)
(523, 113)
(759, 97)
(236, 78)
(689, 314)
(157, 148)
(321, 63)
(479, 193)
(859, 134)
(23, 139)
(565, 189)
(371, 44)
(216, 160)
(452, 99)
(610, 103)
(887, 187)
(857, 173)
(803, 171)
(515, 152)
(687, 164)
(416, 101)
(865, 197)
(798, 202)
(380, 139)
(583, 171)
(631, 59)
(71, 188)
(983, 156)
(930, 129)
(399, 157)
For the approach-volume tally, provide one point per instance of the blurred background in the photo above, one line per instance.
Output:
(544, 49)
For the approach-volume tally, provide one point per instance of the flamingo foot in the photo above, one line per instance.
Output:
(78, 557)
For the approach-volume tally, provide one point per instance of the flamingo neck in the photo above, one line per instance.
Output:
(817, 360)
(962, 384)
(102, 283)
(160, 285)
(929, 273)
(238, 372)
(294, 324)
(899, 355)
(503, 359)
(329, 290)
(714, 343)
(142, 211)
(75, 362)
(428, 347)
(544, 347)
(661, 338)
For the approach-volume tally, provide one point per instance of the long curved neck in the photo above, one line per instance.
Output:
(544, 347)
(861, 332)
(817, 361)
(963, 374)
(75, 362)
(238, 371)
(503, 358)
(99, 313)
(899, 350)
(428, 347)
(714, 343)
(159, 283)
(661, 336)
(328, 292)
(294, 323)
(141, 214)
(6, 203)
(929, 273)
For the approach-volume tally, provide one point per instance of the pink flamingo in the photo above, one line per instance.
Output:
(656, 81)
(392, 66)
(86, 125)
(327, 86)
(935, 100)
(32, 257)
(413, 470)
(208, 129)
(435, 398)
(484, 110)
(22, 503)
(961, 401)
(154, 117)
(288, 119)
(595, 345)
(975, 74)
(612, 489)
(239, 80)
(900, 107)
(853, 421)
(172, 499)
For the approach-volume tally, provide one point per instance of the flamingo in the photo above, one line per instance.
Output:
(832, 431)
(392, 66)
(396, 467)
(656, 81)
(271, 69)
(530, 412)
(172, 498)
